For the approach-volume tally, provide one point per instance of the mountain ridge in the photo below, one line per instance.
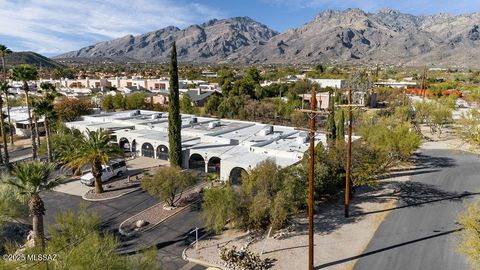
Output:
(349, 36)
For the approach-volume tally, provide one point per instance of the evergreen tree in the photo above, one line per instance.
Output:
(331, 129)
(341, 126)
(174, 119)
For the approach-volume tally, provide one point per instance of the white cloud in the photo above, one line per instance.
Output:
(56, 26)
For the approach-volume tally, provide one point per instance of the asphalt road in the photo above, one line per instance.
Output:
(420, 233)
(170, 237)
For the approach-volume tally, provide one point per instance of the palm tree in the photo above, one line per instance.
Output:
(35, 117)
(4, 51)
(95, 150)
(3, 86)
(5, 91)
(27, 73)
(31, 178)
(43, 106)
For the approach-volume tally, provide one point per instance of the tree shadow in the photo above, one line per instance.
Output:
(411, 194)
(325, 265)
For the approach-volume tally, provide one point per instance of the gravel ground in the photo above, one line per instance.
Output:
(157, 213)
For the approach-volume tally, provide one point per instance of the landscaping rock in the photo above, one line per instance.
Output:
(141, 223)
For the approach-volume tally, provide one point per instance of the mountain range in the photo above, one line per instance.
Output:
(348, 36)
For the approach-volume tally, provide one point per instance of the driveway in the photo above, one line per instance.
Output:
(420, 232)
(135, 166)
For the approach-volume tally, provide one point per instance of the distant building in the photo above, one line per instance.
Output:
(333, 83)
(395, 84)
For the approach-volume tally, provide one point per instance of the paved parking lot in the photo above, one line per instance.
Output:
(135, 166)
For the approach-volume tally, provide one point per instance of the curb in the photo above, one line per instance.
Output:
(124, 233)
(110, 198)
(198, 261)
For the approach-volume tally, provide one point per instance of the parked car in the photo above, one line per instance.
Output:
(116, 167)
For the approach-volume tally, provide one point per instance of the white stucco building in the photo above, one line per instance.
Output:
(226, 147)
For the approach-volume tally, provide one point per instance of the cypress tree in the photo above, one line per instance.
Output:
(331, 129)
(174, 118)
(341, 126)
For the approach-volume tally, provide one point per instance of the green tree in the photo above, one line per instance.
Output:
(186, 105)
(469, 129)
(213, 102)
(70, 109)
(108, 104)
(119, 101)
(95, 150)
(341, 127)
(136, 100)
(169, 183)
(219, 206)
(266, 197)
(78, 242)
(31, 178)
(469, 244)
(27, 73)
(174, 118)
(331, 128)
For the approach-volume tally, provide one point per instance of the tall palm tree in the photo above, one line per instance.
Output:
(27, 73)
(3, 86)
(35, 117)
(31, 178)
(95, 150)
(4, 51)
(43, 106)
(5, 91)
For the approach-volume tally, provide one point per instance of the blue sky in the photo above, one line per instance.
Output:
(51, 27)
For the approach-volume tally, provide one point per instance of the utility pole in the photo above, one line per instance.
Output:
(313, 102)
(312, 113)
(349, 153)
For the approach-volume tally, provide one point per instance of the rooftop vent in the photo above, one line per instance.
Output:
(266, 131)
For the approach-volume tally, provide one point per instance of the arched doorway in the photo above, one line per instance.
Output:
(196, 162)
(162, 152)
(147, 150)
(214, 165)
(124, 144)
(236, 175)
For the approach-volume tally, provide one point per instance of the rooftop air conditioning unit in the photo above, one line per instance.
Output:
(156, 116)
(302, 137)
(214, 124)
(194, 120)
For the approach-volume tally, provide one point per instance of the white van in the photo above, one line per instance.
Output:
(116, 167)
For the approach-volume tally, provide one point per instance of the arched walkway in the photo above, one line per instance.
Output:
(196, 162)
(214, 165)
(236, 175)
(124, 144)
(162, 152)
(147, 150)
